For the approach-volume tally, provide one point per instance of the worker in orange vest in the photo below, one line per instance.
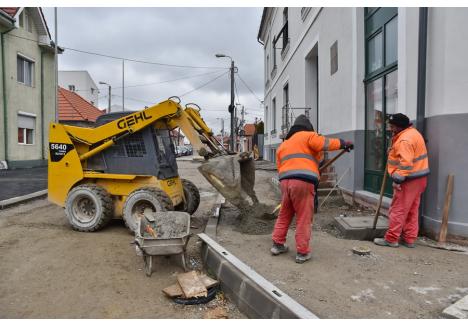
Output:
(297, 160)
(408, 166)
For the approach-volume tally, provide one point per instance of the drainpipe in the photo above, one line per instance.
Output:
(5, 111)
(421, 92)
(42, 105)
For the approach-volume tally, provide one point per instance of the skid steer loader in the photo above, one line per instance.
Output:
(127, 164)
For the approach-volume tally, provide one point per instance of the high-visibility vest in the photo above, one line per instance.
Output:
(299, 156)
(407, 158)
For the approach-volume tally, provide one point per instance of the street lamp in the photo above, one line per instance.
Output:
(231, 105)
(109, 88)
(222, 130)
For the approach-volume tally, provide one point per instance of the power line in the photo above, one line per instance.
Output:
(251, 91)
(203, 85)
(149, 84)
(123, 58)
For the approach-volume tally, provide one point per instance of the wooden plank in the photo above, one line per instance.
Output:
(208, 281)
(191, 285)
(445, 215)
(173, 291)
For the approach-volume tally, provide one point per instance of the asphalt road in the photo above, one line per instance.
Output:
(14, 183)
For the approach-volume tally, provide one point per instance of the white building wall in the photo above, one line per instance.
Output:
(83, 82)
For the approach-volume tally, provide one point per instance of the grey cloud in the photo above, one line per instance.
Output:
(184, 36)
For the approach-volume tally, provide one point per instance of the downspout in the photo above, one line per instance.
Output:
(5, 110)
(422, 54)
(42, 105)
(421, 92)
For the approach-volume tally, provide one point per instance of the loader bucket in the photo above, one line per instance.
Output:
(233, 176)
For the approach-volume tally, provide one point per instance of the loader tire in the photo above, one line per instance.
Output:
(143, 198)
(192, 196)
(89, 208)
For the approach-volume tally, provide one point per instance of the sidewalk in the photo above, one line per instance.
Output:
(14, 183)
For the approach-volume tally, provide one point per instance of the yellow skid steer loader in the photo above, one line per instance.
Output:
(127, 164)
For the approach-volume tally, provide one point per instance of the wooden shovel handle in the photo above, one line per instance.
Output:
(328, 163)
(382, 189)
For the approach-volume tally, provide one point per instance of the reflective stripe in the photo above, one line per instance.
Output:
(326, 145)
(398, 177)
(298, 173)
(421, 173)
(405, 167)
(419, 158)
(392, 162)
(299, 155)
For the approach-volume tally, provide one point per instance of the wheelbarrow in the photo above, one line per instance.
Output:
(162, 234)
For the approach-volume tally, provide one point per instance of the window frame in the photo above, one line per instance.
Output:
(375, 23)
(25, 130)
(32, 65)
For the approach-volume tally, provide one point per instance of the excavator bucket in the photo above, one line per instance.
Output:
(234, 177)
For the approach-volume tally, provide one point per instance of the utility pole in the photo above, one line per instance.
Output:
(56, 68)
(109, 109)
(123, 84)
(242, 126)
(231, 106)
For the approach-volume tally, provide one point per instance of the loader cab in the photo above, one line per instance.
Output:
(147, 152)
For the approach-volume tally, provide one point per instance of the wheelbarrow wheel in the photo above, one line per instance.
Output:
(148, 265)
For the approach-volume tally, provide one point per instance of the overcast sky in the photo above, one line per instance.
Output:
(178, 36)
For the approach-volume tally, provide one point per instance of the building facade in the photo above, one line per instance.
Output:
(347, 69)
(27, 87)
(81, 83)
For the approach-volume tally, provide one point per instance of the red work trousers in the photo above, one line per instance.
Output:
(297, 197)
(404, 211)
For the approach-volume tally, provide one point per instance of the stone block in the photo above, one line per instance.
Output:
(459, 310)
(360, 227)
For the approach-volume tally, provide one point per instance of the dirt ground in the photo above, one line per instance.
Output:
(390, 283)
(51, 271)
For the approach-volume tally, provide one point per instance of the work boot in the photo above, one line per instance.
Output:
(383, 242)
(278, 249)
(302, 258)
(407, 244)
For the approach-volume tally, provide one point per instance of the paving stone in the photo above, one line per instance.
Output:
(458, 310)
(360, 227)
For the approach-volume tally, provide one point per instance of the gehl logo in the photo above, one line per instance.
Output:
(132, 120)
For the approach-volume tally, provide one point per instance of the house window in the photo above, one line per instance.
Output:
(381, 91)
(334, 58)
(25, 71)
(285, 110)
(26, 126)
(267, 68)
(273, 51)
(273, 116)
(266, 116)
(285, 29)
(71, 88)
(25, 21)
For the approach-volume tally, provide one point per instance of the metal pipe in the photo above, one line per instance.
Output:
(421, 91)
(422, 55)
(42, 106)
(96, 150)
(5, 107)
(56, 67)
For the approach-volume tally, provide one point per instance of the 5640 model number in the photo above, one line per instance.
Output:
(62, 147)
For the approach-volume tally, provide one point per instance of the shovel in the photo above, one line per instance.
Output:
(371, 234)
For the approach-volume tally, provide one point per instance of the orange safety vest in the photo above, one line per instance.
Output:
(299, 156)
(407, 158)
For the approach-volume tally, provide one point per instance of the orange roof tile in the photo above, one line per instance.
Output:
(72, 107)
(10, 10)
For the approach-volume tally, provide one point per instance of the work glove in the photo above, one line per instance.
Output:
(348, 145)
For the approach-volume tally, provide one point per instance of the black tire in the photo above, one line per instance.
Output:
(143, 198)
(192, 197)
(89, 208)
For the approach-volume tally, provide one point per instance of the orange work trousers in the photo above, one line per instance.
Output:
(404, 211)
(297, 198)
